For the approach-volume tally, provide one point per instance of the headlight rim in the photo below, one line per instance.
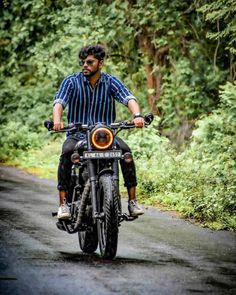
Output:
(99, 129)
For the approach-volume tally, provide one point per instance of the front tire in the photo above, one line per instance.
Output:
(108, 225)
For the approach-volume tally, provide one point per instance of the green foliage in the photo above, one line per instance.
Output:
(186, 93)
(200, 182)
(36, 55)
(29, 104)
(214, 147)
(222, 13)
(15, 138)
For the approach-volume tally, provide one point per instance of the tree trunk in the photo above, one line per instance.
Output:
(157, 58)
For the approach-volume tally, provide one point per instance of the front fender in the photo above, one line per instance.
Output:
(105, 171)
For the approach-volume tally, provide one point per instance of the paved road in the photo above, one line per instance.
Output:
(157, 254)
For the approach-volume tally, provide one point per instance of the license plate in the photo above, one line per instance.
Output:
(102, 155)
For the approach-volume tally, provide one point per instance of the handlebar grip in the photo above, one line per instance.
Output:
(148, 118)
(48, 124)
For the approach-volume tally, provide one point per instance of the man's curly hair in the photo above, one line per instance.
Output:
(98, 51)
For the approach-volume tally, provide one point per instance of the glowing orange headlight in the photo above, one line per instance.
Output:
(102, 138)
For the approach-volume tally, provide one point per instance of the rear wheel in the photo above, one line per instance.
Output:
(88, 240)
(108, 224)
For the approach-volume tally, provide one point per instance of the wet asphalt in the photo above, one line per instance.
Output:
(157, 254)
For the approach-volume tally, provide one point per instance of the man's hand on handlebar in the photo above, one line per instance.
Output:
(58, 126)
(139, 122)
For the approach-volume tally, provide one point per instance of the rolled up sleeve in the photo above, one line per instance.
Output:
(64, 92)
(120, 92)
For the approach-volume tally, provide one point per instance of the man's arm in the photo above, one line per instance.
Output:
(57, 115)
(122, 94)
(135, 110)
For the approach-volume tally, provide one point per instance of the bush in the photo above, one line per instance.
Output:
(214, 150)
(201, 181)
(15, 138)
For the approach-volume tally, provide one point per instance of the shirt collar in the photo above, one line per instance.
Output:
(102, 78)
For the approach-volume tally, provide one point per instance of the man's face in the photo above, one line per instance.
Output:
(91, 65)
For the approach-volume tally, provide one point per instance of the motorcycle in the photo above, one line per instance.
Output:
(94, 197)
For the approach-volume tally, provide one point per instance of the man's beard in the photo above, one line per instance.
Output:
(90, 73)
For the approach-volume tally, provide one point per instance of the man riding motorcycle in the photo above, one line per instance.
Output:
(90, 96)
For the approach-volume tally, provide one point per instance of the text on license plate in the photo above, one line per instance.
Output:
(102, 155)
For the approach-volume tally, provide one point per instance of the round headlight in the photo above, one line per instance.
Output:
(102, 138)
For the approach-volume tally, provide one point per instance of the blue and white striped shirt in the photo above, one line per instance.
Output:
(90, 105)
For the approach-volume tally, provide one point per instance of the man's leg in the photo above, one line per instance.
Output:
(132, 193)
(133, 206)
(64, 175)
(62, 197)
(130, 179)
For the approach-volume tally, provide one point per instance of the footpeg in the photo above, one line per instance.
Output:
(60, 226)
(126, 217)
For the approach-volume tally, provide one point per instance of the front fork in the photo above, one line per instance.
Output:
(115, 167)
(93, 184)
(93, 179)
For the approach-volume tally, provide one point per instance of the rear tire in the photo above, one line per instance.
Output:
(88, 240)
(108, 226)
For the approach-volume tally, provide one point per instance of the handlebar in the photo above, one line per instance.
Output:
(148, 118)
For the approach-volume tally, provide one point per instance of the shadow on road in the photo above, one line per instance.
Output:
(95, 259)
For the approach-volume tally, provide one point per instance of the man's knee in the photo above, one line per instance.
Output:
(68, 146)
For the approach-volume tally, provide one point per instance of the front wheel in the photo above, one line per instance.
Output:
(108, 225)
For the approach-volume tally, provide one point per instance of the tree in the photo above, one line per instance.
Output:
(222, 15)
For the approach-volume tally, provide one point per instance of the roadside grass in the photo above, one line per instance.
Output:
(41, 162)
